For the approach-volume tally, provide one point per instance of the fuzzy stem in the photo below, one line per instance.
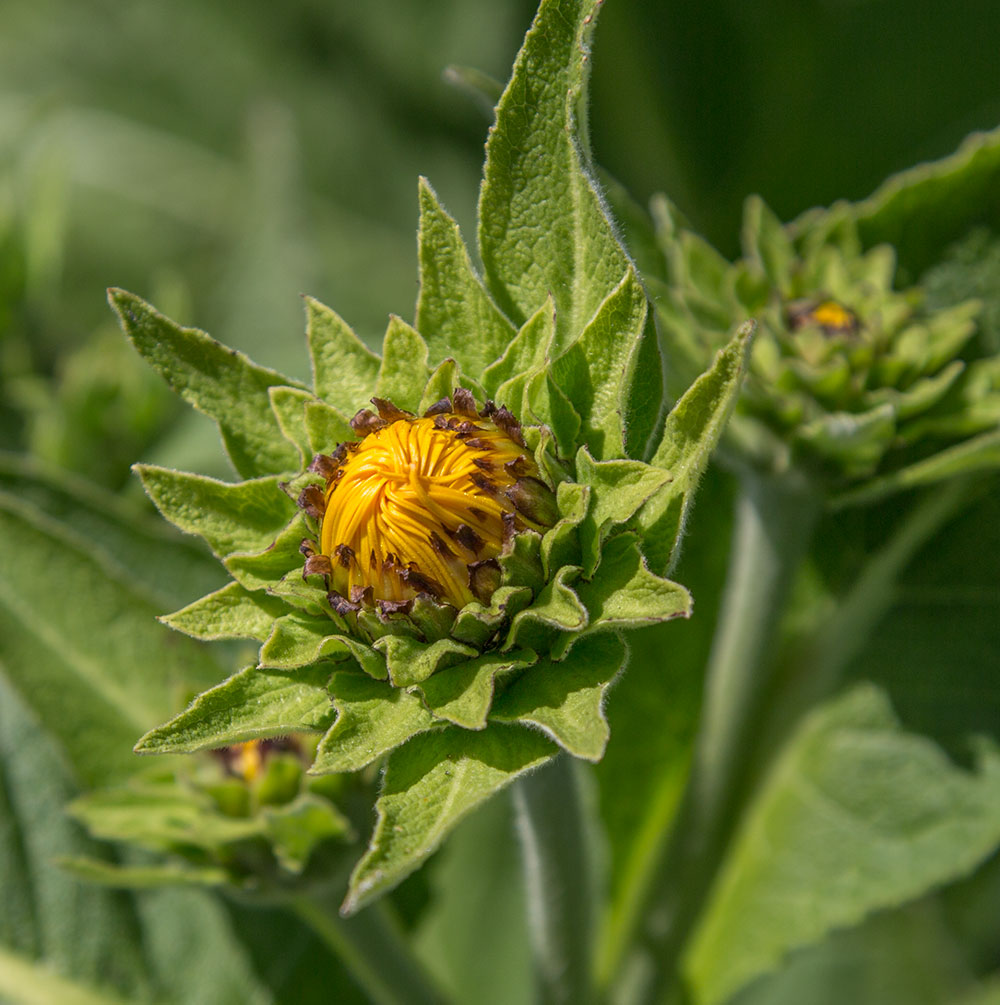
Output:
(775, 518)
(372, 949)
(555, 824)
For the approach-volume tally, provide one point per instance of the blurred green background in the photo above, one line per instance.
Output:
(221, 160)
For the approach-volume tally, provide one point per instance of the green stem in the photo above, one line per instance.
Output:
(556, 825)
(775, 518)
(372, 949)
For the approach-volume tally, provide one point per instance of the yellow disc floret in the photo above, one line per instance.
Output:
(424, 505)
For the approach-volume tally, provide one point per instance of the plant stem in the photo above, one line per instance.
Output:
(372, 949)
(556, 825)
(775, 518)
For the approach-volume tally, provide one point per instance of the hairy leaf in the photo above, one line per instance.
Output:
(856, 815)
(430, 784)
(218, 381)
(455, 314)
(253, 704)
(543, 227)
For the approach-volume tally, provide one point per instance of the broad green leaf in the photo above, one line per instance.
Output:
(96, 941)
(625, 594)
(856, 815)
(598, 369)
(404, 370)
(566, 700)
(462, 694)
(528, 351)
(411, 661)
(430, 784)
(618, 489)
(922, 210)
(142, 877)
(253, 704)
(24, 981)
(690, 433)
(543, 228)
(981, 453)
(373, 718)
(220, 382)
(904, 956)
(298, 639)
(455, 314)
(344, 368)
(80, 641)
(289, 407)
(230, 613)
(125, 535)
(242, 517)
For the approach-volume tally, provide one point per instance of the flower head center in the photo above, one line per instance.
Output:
(422, 505)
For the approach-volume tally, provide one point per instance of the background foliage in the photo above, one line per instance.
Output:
(223, 165)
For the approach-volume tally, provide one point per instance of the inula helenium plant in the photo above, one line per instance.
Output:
(448, 570)
(444, 581)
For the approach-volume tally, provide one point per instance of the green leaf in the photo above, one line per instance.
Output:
(462, 694)
(566, 699)
(625, 594)
(690, 433)
(856, 815)
(24, 981)
(326, 427)
(455, 314)
(766, 242)
(556, 610)
(543, 227)
(297, 828)
(404, 371)
(560, 545)
(241, 517)
(430, 784)
(373, 718)
(218, 381)
(344, 368)
(439, 385)
(122, 534)
(618, 489)
(527, 352)
(298, 639)
(161, 817)
(289, 407)
(230, 613)
(922, 210)
(411, 661)
(981, 453)
(142, 877)
(545, 403)
(80, 641)
(263, 570)
(598, 370)
(253, 704)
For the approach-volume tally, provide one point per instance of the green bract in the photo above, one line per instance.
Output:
(871, 388)
(557, 329)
